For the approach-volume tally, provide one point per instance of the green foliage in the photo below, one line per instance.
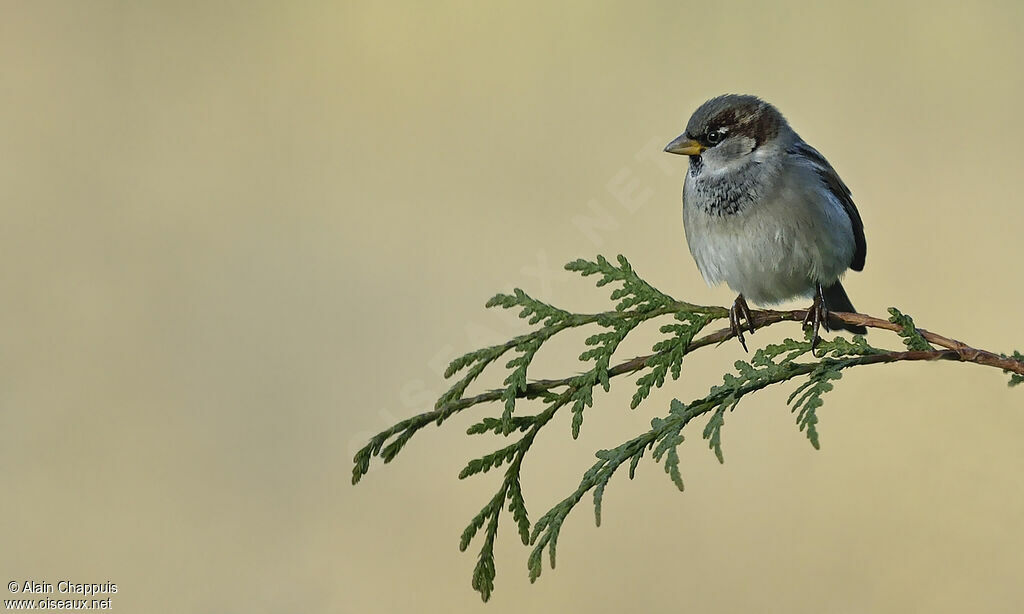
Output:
(636, 302)
(911, 337)
(495, 425)
(713, 433)
(668, 353)
(668, 448)
(1016, 378)
(533, 309)
(603, 348)
(635, 293)
(808, 399)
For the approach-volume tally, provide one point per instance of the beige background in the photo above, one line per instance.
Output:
(238, 238)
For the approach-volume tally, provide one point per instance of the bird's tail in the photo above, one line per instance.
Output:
(836, 300)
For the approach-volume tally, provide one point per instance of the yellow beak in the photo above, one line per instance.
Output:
(684, 146)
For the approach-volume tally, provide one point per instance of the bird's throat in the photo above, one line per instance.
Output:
(696, 164)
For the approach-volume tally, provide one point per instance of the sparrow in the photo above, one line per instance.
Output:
(766, 213)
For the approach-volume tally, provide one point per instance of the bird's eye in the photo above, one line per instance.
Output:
(714, 136)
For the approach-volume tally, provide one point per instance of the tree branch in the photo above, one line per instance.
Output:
(638, 302)
(764, 318)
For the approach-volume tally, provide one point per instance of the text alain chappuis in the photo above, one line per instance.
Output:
(67, 588)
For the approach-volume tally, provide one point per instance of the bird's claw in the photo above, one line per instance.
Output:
(817, 316)
(738, 312)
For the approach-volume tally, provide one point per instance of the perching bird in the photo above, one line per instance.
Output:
(766, 213)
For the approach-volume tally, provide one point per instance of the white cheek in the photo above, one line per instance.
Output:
(730, 155)
(762, 153)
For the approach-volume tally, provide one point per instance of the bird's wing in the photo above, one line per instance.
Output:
(841, 192)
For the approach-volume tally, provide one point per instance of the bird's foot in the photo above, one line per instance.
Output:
(739, 311)
(817, 316)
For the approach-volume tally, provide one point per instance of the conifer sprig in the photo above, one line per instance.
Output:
(636, 302)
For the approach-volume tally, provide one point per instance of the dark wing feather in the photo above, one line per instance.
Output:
(842, 194)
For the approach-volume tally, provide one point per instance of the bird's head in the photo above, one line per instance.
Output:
(728, 128)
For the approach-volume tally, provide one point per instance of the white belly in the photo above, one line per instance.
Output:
(776, 249)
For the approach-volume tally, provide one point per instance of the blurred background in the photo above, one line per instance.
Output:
(239, 238)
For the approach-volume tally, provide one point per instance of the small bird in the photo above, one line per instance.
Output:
(766, 213)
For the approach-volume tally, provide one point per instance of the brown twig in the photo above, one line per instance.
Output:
(955, 350)
(952, 349)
